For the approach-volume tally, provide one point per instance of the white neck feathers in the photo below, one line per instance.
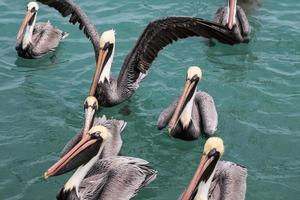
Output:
(27, 39)
(186, 115)
(203, 188)
(107, 68)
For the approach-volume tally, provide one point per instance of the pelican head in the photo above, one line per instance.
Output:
(106, 53)
(231, 13)
(200, 183)
(90, 108)
(90, 145)
(32, 6)
(184, 106)
(28, 23)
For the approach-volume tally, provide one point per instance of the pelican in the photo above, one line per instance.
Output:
(91, 143)
(192, 112)
(234, 17)
(35, 40)
(214, 179)
(155, 37)
(101, 174)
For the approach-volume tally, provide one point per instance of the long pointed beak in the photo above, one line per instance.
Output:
(85, 142)
(205, 161)
(100, 64)
(89, 118)
(231, 14)
(181, 103)
(28, 16)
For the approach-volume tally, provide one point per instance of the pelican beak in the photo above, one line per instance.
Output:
(231, 13)
(90, 108)
(187, 94)
(204, 171)
(103, 57)
(81, 153)
(29, 15)
(89, 118)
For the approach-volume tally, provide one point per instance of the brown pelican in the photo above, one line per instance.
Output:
(192, 112)
(234, 17)
(101, 174)
(155, 37)
(34, 40)
(88, 144)
(214, 179)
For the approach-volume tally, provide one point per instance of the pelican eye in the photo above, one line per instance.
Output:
(213, 152)
(195, 78)
(85, 106)
(95, 135)
(95, 107)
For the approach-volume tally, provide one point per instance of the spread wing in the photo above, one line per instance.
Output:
(68, 7)
(159, 34)
(117, 178)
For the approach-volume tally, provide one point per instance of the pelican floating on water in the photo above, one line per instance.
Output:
(101, 174)
(214, 179)
(192, 113)
(35, 40)
(234, 17)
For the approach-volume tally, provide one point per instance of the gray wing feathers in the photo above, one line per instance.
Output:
(166, 115)
(114, 144)
(243, 21)
(45, 38)
(229, 182)
(220, 16)
(118, 178)
(68, 7)
(160, 33)
(208, 112)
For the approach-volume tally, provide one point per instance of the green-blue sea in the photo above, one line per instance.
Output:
(256, 88)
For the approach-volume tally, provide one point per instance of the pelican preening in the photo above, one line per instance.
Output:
(35, 40)
(101, 174)
(192, 113)
(234, 17)
(214, 179)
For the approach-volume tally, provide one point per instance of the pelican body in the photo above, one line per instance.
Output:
(233, 16)
(192, 113)
(112, 178)
(35, 40)
(100, 174)
(214, 179)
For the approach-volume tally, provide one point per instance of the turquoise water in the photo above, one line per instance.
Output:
(255, 86)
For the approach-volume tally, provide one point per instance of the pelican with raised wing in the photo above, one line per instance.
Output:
(234, 17)
(101, 174)
(192, 113)
(155, 37)
(35, 40)
(214, 179)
